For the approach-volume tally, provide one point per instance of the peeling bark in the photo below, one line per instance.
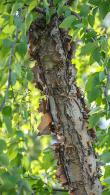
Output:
(52, 49)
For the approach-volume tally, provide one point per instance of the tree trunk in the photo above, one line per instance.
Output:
(52, 49)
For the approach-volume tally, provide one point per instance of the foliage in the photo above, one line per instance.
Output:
(26, 163)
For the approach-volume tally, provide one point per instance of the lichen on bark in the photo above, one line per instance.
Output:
(52, 49)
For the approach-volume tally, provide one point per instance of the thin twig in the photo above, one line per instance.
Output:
(55, 190)
(106, 89)
(40, 10)
(59, 190)
(9, 73)
(76, 15)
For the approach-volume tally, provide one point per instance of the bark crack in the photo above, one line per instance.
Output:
(52, 49)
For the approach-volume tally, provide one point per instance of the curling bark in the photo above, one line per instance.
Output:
(52, 49)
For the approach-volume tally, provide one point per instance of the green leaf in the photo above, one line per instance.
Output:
(79, 25)
(95, 2)
(21, 49)
(107, 180)
(96, 54)
(7, 43)
(4, 160)
(104, 8)
(94, 94)
(9, 29)
(91, 20)
(25, 162)
(18, 21)
(7, 115)
(7, 111)
(84, 10)
(89, 36)
(88, 48)
(8, 182)
(67, 12)
(28, 20)
(26, 186)
(93, 120)
(1, 123)
(13, 78)
(56, 2)
(61, 7)
(20, 134)
(93, 80)
(8, 123)
(107, 171)
(67, 22)
(102, 76)
(105, 157)
(48, 157)
(94, 11)
(48, 16)
(16, 6)
(93, 87)
(106, 192)
(108, 98)
(12, 154)
(2, 145)
(32, 5)
(18, 70)
(30, 76)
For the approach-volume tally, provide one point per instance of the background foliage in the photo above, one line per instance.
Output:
(27, 164)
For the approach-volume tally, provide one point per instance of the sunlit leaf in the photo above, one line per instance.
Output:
(9, 29)
(32, 5)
